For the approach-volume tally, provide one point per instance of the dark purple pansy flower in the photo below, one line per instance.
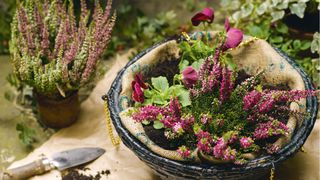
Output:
(234, 36)
(137, 86)
(206, 15)
(137, 94)
(139, 80)
(190, 76)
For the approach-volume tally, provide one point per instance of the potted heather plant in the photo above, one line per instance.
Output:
(212, 105)
(55, 52)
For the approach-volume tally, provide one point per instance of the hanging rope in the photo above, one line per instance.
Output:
(114, 140)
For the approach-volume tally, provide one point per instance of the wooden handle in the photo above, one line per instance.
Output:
(23, 172)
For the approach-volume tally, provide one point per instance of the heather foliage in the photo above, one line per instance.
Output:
(53, 50)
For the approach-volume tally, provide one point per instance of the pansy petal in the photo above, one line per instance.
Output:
(234, 38)
(226, 24)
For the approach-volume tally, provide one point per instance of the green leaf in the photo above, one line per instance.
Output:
(147, 102)
(276, 39)
(158, 125)
(296, 44)
(258, 31)
(158, 99)
(282, 28)
(298, 9)
(262, 8)
(246, 9)
(148, 93)
(145, 122)
(26, 134)
(305, 45)
(175, 90)
(276, 15)
(183, 64)
(197, 64)
(184, 98)
(160, 83)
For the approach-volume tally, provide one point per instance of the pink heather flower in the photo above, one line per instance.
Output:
(229, 154)
(219, 148)
(187, 122)
(190, 76)
(267, 105)
(270, 128)
(206, 15)
(233, 138)
(175, 107)
(226, 85)
(251, 99)
(137, 94)
(205, 118)
(184, 151)
(204, 145)
(177, 128)
(147, 113)
(203, 134)
(234, 36)
(168, 121)
(246, 142)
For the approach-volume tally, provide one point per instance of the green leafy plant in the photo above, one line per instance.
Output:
(54, 52)
(26, 134)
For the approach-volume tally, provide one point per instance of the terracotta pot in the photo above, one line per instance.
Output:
(58, 113)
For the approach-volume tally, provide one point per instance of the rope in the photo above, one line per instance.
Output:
(114, 140)
(272, 172)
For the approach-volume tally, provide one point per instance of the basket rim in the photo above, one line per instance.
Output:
(266, 161)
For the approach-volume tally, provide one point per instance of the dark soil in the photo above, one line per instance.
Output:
(242, 76)
(74, 174)
(157, 136)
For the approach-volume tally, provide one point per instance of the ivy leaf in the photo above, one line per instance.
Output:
(26, 134)
(298, 9)
(160, 83)
(197, 64)
(184, 98)
(158, 125)
(236, 16)
(262, 8)
(246, 9)
(315, 44)
(276, 15)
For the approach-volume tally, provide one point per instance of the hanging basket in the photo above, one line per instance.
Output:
(253, 57)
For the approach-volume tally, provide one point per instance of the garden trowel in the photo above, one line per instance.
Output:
(61, 161)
